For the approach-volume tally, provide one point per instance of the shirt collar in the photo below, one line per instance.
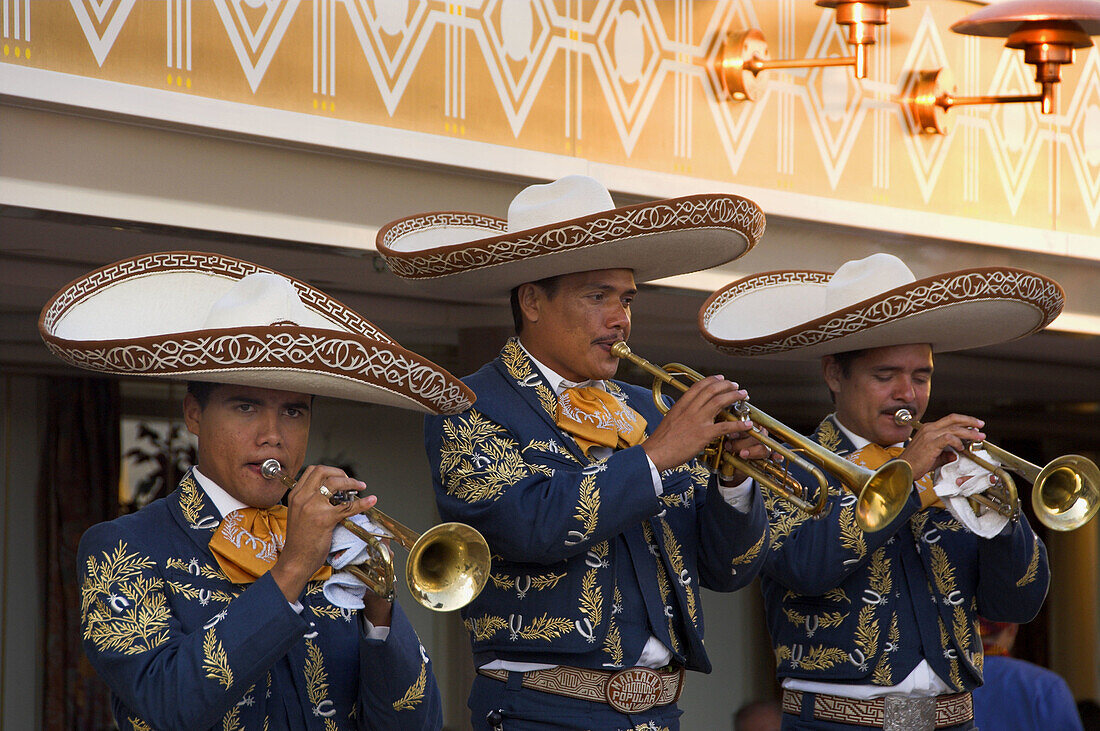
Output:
(857, 441)
(556, 381)
(223, 501)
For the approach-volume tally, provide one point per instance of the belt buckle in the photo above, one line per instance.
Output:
(634, 690)
(908, 714)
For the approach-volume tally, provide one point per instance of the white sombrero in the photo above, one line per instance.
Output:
(205, 317)
(876, 302)
(569, 225)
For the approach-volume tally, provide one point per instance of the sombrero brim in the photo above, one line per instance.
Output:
(143, 316)
(468, 255)
(779, 314)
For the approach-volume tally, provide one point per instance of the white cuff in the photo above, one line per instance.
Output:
(374, 633)
(738, 497)
(655, 475)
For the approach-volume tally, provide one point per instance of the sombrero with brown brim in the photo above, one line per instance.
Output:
(876, 302)
(569, 225)
(205, 317)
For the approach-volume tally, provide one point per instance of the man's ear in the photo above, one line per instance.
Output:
(830, 369)
(192, 413)
(530, 299)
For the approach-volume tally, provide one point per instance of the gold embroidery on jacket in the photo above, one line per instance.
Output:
(591, 598)
(478, 460)
(485, 626)
(588, 509)
(819, 657)
(539, 582)
(676, 559)
(662, 585)
(519, 367)
(867, 627)
(828, 436)
(956, 680)
(190, 499)
(121, 610)
(827, 620)
(544, 628)
(1032, 567)
(194, 568)
(415, 693)
(327, 611)
(613, 642)
(231, 721)
(136, 724)
(191, 592)
(883, 674)
(215, 661)
(317, 684)
(748, 556)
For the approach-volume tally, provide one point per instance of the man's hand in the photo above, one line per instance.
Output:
(689, 425)
(311, 519)
(929, 448)
(747, 447)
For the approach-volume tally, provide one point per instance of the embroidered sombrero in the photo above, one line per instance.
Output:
(569, 225)
(876, 302)
(206, 317)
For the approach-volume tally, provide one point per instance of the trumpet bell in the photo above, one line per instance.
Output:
(1066, 494)
(883, 495)
(447, 566)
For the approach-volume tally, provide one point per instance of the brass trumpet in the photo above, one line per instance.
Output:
(1065, 493)
(447, 566)
(882, 493)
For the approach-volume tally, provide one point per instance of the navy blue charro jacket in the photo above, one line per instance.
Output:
(853, 607)
(555, 522)
(182, 647)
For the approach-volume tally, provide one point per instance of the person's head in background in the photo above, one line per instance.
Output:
(997, 637)
(758, 716)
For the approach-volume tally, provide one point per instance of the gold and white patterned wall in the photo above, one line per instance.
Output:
(623, 83)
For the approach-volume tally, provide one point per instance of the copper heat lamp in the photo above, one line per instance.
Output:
(744, 54)
(1048, 31)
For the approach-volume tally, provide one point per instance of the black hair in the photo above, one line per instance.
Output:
(201, 390)
(549, 285)
(844, 361)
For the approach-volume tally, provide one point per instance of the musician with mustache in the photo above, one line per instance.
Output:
(602, 524)
(878, 629)
(214, 607)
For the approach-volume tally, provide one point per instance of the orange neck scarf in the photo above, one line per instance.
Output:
(596, 418)
(247, 543)
(873, 456)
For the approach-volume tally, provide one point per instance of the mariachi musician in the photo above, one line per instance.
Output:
(602, 524)
(211, 607)
(879, 629)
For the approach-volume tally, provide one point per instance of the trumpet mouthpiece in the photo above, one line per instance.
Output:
(620, 349)
(903, 417)
(271, 468)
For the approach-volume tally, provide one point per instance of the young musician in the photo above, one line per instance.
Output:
(879, 629)
(206, 609)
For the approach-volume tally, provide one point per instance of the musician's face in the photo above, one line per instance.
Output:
(572, 330)
(879, 382)
(238, 428)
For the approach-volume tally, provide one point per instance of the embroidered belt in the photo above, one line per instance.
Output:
(633, 690)
(888, 712)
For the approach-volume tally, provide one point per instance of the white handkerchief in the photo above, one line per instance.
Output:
(990, 522)
(345, 591)
(347, 548)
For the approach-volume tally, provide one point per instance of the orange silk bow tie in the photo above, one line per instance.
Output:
(873, 456)
(596, 418)
(247, 544)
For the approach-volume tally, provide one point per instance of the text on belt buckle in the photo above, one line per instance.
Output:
(634, 690)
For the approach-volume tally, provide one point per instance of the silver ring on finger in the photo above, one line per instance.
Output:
(325, 491)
